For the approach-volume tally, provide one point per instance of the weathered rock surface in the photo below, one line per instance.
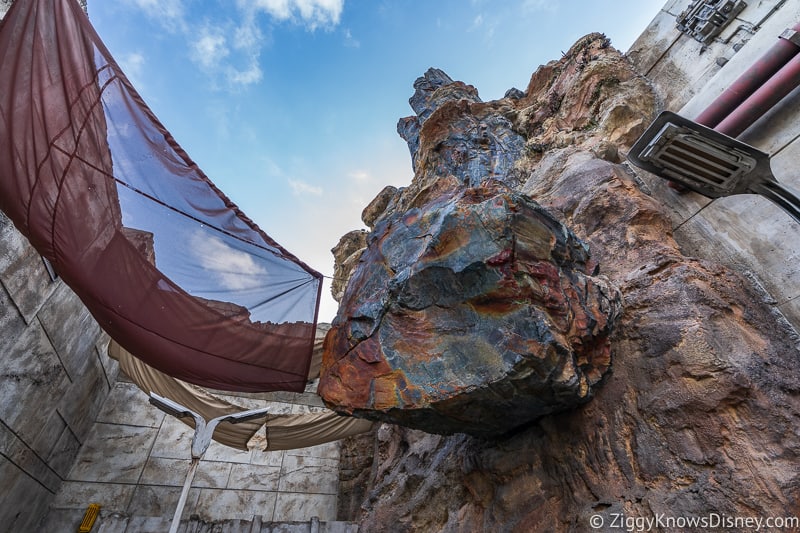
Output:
(473, 312)
(699, 416)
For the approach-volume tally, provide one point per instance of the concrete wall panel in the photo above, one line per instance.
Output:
(746, 232)
(22, 271)
(33, 383)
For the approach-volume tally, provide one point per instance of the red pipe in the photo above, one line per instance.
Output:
(753, 78)
(761, 101)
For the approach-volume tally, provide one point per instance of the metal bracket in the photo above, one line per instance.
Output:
(792, 36)
(705, 19)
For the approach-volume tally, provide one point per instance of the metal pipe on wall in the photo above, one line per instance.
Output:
(754, 77)
(762, 100)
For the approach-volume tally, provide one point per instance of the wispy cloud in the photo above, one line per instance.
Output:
(311, 13)
(350, 41)
(302, 188)
(234, 270)
(229, 50)
(170, 13)
(360, 175)
(210, 48)
(133, 66)
(529, 6)
(477, 22)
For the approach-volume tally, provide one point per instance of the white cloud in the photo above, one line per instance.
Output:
(210, 48)
(360, 175)
(477, 22)
(300, 188)
(311, 13)
(539, 5)
(133, 66)
(170, 13)
(228, 49)
(350, 41)
(234, 269)
(241, 77)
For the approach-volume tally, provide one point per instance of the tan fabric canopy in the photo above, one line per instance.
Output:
(283, 432)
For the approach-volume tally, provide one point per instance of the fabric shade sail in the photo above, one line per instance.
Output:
(281, 431)
(166, 263)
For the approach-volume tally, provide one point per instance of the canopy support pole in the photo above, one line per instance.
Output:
(203, 431)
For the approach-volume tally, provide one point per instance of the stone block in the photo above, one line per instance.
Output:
(309, 475)
(215, 504)
(113, 454)
(71, 329)
(84, 398)
(174, 440)
(254, 477)
(26, 460)
(329, 450)
(22, 271)
(159, 501)
(32, 383)
(62, 456)
(128, 404)
(172, 472)
(110, 366)
(79, 494)
(260, 457)
(149, 524)
(297, 507)
(50, 434)
(219, 452)
(66, 520)
(11, 322)
(114, 523)
(24, 502)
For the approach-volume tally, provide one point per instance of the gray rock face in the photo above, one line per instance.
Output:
(464, 137)
(471, 309)
(472, 313)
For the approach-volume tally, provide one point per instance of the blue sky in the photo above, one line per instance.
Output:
(291, 106)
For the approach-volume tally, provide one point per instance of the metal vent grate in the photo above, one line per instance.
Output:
(685, 155)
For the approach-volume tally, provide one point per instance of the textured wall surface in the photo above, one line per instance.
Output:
(698, 416)
(54, 377)
(747, 232)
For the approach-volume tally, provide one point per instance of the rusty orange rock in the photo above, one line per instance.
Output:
(473, 312)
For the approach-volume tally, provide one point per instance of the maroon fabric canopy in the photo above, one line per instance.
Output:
(167, 264)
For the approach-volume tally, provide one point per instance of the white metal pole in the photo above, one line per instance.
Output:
(176, 520)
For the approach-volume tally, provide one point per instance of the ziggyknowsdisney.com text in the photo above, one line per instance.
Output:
(662, 521)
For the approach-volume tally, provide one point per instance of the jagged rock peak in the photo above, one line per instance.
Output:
(423, 102)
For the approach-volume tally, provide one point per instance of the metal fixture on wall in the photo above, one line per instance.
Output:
(705, 19)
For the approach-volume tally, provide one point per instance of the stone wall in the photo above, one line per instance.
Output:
(136, 459)
(745, 232)
(54, 379)
(72, 433)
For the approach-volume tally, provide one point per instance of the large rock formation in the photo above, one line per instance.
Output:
(472, 311)
(698, 419)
